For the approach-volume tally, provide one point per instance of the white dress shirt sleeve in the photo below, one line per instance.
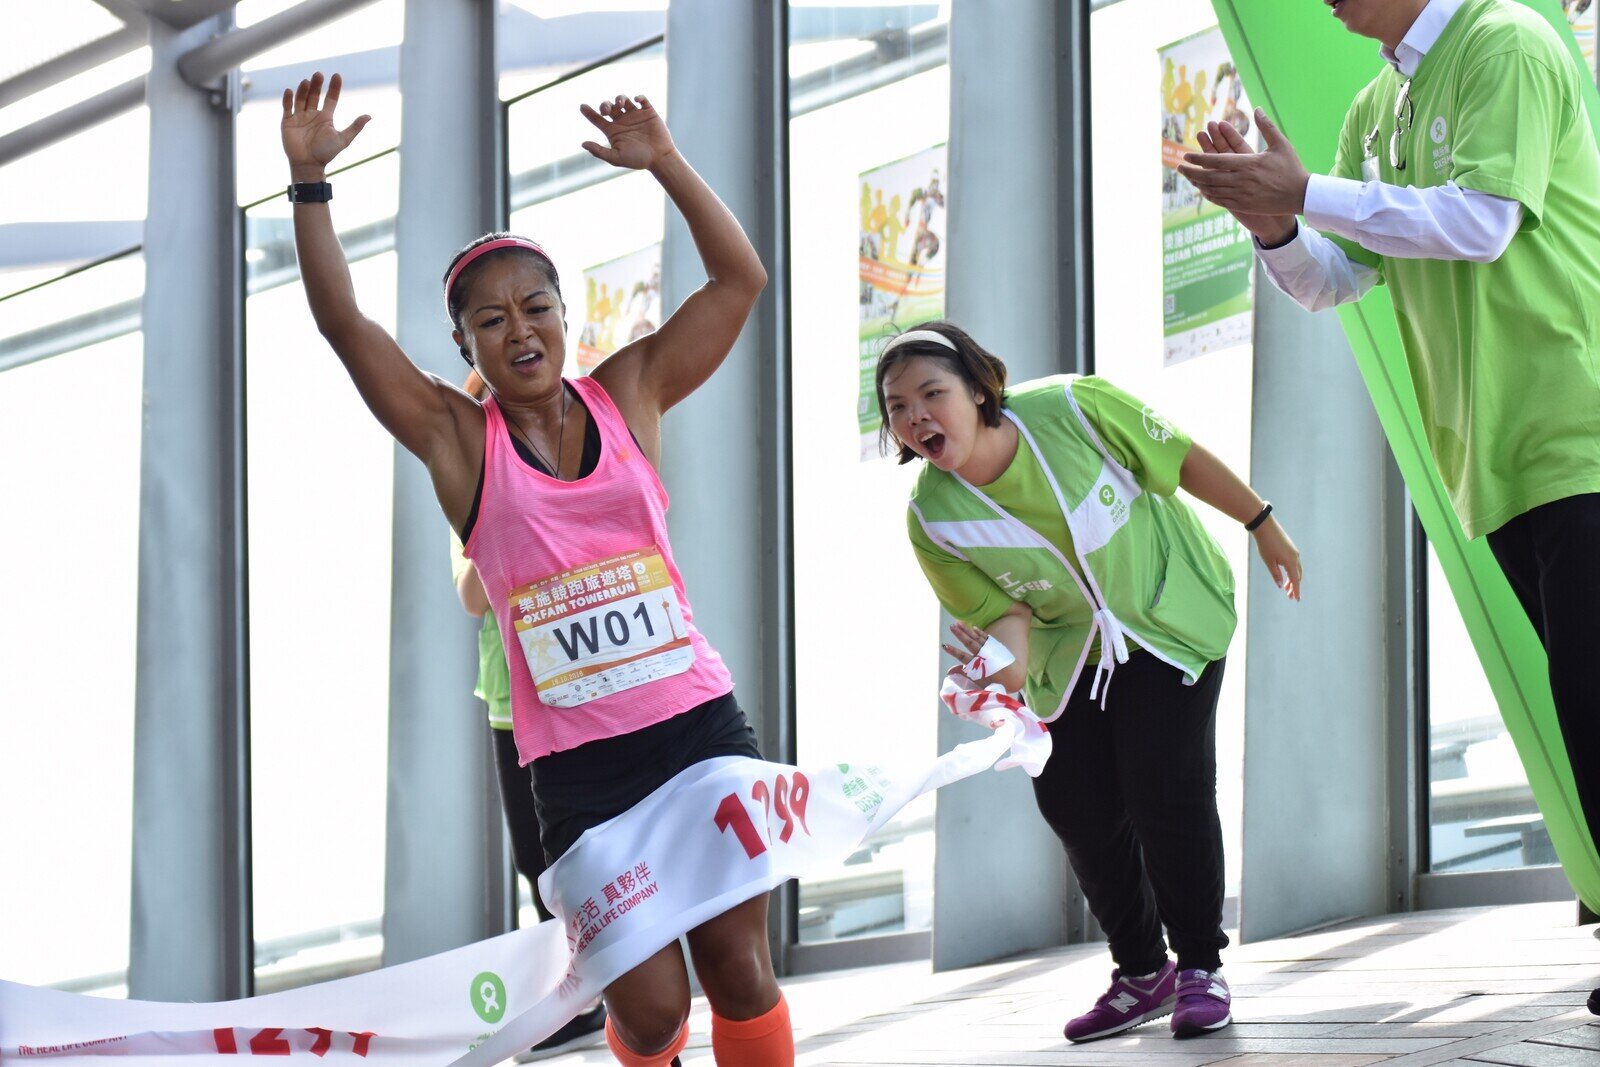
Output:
(1440, 222)
(1315, 272)
(1402, 222)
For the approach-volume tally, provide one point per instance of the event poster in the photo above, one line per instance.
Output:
(1206, 258)
(902, 258)
(1581, 17)
(621, 303)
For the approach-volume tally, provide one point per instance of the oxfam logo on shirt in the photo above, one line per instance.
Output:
(1159, 429)
(488, 995)
(1108, 495)
(1439, 130)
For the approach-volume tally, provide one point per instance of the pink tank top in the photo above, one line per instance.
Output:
(599, 635)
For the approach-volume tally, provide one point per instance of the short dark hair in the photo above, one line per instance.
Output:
(981, 370)
(457, 297)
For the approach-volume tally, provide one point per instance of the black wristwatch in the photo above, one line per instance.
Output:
(310, 193)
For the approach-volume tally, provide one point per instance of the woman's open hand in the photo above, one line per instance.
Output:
(1280, 556)
(637, 136)
(310, 139)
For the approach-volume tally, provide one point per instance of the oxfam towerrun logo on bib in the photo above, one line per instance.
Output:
(1159, 429)
(488, 995)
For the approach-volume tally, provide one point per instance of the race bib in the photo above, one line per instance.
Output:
(602, 628)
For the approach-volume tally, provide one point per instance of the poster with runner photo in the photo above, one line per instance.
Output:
(902, 257)
(1206, 256)
(621, 302)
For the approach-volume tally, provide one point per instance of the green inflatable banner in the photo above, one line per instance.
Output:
(1304, 69)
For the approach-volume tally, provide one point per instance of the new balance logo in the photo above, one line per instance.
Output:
(1218, 990)
(1124, 1002)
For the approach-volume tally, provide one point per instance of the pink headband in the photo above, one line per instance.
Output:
(484, 249)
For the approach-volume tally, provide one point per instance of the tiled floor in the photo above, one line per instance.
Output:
(1475, 986)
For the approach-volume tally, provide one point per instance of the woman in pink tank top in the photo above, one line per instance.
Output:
(552, 485)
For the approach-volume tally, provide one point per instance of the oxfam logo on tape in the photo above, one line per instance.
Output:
(488, 995)
(1108, 495)
(1439, 130)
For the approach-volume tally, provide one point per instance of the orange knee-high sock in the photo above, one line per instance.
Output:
(765, 1041)
(629, 1058)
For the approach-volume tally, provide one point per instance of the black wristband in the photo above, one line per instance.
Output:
(310, 193)
(1256, 522)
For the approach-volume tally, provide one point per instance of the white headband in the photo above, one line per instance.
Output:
(920, 335)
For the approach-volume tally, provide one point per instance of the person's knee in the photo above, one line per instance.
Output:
(647, 1025)
(738, 980)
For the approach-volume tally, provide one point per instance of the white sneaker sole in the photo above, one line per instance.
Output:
(1191, 1030)
(1159, 1012)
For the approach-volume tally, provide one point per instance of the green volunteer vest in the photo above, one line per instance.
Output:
(1150, 571)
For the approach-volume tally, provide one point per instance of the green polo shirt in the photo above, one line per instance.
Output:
(1505, 356)
(494, 677)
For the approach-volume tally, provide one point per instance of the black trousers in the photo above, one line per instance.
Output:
(516, 796)
(1131, 791)
(1551, 555)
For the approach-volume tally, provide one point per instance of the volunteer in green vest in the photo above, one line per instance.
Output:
(1467, 179)
(1046, 516)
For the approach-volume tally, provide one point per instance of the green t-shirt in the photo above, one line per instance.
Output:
(1149, 446)
(494, 677)
(1505, 356)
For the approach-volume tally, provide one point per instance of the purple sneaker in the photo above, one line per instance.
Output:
(1126, 1004)
(1203, 1004)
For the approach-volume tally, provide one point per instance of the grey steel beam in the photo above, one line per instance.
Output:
(739, 573)
(446, 873)
(527, 42)
(42, 244)
(191, 811)
(181, 14)
(103, 324)
(1001, 260)
(203, 66)
(84, 57)
(70, 120)
(1316, 778)
(1075, 212)
(277, 265)
(131, 12)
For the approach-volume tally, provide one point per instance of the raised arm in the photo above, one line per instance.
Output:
(655, 372)
(422, 412)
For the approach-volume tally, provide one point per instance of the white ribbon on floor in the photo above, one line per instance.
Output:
(716, 835)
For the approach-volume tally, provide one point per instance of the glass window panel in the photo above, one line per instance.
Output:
(538, 40)
(1208, 397)
(368, 28)
(99, 173)
(104, 293)
(69, 91)
(321, 471)
(585, 213)
(1481, 813)
(70, 492)
(887, 885)
(36, 33)
(371, 87)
